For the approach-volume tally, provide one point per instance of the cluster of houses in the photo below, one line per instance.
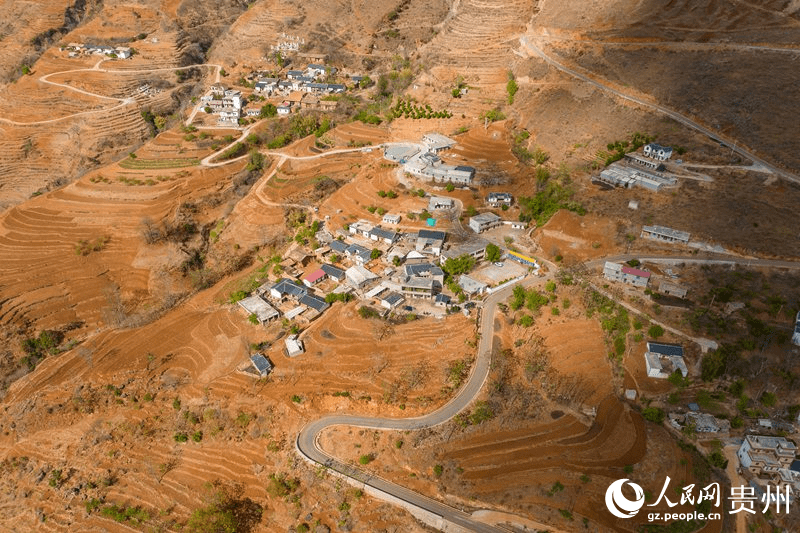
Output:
(640, 278)
(228, 103)
(424, 162)
(347, 262)
(80, 49)
(644, 171)
(699, 422)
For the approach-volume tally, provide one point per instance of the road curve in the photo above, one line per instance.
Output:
(678, 117)
(307, 443)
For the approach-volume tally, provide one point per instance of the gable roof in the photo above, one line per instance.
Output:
(286, 286)
(635, 272)
(317, 275)
(665, 349)
(261, 363)
(356, 249)
(422, 269)
(338, 246)
(333, 271)
(392, 298)
(383, 233)
(430, 234)
(314, 302)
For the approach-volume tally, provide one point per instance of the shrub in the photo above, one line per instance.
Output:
(197, 436)
(653, 414)
(181, 437)
(296, 398)
(366, 459)
(655, 331)
(769, 399)
(176, 404)
(438, 470)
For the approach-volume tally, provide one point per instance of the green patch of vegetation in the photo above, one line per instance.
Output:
(85, 246)
(134, 515)
(511, 87)
(546, 202)
(281, 485)
(438, 470)
(493, 115)
(557, 487)
(366, 459)
(296, 398)
(618, 149)
(493, 252)
(181, 437)
(457, 372)
(654, 414)
(655, 331)
(368, 312)
(408, 109)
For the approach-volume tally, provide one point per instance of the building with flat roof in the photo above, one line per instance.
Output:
(627, 177)
(661, 233)
(672, 289)
(475, 249)
(417, 287)
(762, 454)
(471, 286)
(424, 270)
(400, 153)
(390, 218)
(256, 305)
(626, 274)
(662, 360)
(436, 142)
(440, 203)
(484, 222)
(294, 346)
(645, 162)
(430, 241)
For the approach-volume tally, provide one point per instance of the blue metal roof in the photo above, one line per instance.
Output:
(261, 363)
(665, 349)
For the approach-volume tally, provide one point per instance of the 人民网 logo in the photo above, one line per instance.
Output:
(621, 506)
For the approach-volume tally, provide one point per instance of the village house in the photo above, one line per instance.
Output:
(218, 89)
(266, 85)
(662, 360)
(261, 364)
(471, 286)
(294, 346)
(284, 108)
(484, 222)
(379, 234)
(436, 203)
(314, 302)
(312, 278)
(626, 274)
(358, 253)
(436, 142)
(358, 276)
(657, 152)
(672, 289)
(390, 218)
(361, 227)
(766, 455)
(256, 305)
(294, 74)
(124, 52)
(338, 247)
(286, 287)
(441, 300)
(333, 272)
(661, 233)
(392, 300)
(430, 242)
(475, 249)
(424, 270)
(416, 287)
(497, 199)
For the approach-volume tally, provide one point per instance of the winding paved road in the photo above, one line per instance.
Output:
(533, 49)
(308, 446)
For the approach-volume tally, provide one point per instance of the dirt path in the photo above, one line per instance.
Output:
(96, 68)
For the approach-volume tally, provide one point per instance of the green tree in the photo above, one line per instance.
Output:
(654, 414)
(375, 253)
(493, 252)
(655, 331)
